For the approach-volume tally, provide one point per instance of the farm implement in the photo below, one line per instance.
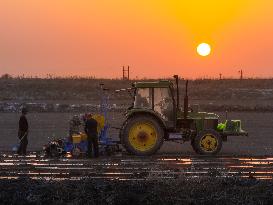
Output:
(76, 144)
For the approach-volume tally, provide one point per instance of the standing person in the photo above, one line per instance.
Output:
(90, 129)
(22, 133)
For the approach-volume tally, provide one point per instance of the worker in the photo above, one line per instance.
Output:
(22, 133)
(90, 129)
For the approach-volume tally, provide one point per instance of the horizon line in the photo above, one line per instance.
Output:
(93, 77)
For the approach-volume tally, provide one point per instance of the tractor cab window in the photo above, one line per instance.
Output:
(163, 103)
(143, 98)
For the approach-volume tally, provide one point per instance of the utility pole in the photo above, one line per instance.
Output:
(241, 74)
(220, 76)
(125, 73)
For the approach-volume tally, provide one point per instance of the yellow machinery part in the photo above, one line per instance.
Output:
(83, 136)
(100, 120)
(209, 143)
(76, 138)
(142, 136)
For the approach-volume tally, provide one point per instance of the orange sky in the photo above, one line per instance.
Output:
(157, 38)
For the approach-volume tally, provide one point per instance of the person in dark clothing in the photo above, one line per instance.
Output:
(22, 133)
(90, 129)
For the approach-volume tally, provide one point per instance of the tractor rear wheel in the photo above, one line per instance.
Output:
(142, 135)
(207, 142)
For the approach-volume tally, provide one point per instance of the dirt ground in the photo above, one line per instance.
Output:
(177, 191)
(45, 125)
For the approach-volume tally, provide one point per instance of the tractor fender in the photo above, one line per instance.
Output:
(136, 112)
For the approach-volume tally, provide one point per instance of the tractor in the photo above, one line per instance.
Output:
(156, 116)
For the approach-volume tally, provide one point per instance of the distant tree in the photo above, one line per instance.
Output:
(6, 76)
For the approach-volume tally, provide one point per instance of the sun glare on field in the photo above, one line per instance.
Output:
(203, 49)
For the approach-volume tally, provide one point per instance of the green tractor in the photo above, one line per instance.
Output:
(156, 117)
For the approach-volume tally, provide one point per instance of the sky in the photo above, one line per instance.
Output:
(157, 38)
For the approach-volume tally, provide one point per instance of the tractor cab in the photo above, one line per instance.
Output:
(158, 98)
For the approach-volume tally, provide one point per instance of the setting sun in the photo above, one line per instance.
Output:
(203, 49)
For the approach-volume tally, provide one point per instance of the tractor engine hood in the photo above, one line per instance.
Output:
(201, 115)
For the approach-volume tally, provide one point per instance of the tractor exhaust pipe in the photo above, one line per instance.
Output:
(177, 92)
(186, 102)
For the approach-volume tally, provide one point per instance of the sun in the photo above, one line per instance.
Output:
(203, 49)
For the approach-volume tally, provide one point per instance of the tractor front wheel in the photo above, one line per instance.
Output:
(142, 135)
(207, 142)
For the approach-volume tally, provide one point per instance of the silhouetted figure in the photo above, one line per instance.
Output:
(22, 133)
(90, 128)
(141, 102)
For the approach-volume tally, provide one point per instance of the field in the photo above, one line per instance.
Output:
(231, 94)
(52, 102)
(229, 178)
(159, 179)
(44, 125)
(178, 191)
